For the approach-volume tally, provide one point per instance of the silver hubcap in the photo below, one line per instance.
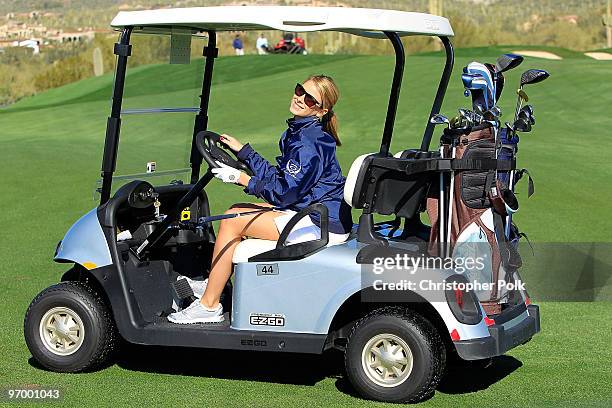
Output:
(61, 331)
(387, 360)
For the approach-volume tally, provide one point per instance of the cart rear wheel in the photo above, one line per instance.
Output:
(394, 355)
(69, 328)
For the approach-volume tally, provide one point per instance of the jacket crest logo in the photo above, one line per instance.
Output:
(292, 167)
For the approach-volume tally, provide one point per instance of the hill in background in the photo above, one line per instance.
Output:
(573, 24)
(569, 24)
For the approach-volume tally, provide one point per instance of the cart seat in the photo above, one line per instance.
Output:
(354, 180)
(251, 247)
(383, 188)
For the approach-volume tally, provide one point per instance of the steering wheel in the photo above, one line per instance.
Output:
(140, 194)
(212, 150)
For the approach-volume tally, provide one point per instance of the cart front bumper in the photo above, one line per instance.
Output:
(501, 339)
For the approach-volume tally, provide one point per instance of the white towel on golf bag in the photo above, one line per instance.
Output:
(472, 243)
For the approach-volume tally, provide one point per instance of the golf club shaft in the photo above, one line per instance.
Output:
(450, 205)
(511, 179)
(518, 103)
(442, 210)
(509, 216)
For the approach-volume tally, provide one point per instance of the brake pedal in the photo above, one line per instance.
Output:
(182, 290)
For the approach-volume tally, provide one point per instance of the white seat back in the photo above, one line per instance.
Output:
(351, 196)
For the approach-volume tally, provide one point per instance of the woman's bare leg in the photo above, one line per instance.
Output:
(231, 231)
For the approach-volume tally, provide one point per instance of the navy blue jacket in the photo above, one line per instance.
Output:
(307, 172)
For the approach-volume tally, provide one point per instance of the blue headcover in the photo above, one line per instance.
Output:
(478, 81)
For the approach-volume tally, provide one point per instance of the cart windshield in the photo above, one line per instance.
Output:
(160, 101)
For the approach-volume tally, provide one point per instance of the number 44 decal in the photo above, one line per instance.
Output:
(267, 269)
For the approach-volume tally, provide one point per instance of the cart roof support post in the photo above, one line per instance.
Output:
(113, 124)
(201, 120)
(395, 91)
(435, 109)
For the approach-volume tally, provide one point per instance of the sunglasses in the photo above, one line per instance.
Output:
(309, 100)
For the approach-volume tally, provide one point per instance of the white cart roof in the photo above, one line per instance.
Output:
(359, 21)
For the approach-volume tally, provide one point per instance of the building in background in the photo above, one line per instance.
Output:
(32, 43)
(19, 28)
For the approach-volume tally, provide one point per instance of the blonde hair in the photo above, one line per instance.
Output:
(330, 95)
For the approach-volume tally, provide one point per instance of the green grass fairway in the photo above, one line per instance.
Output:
(50, 153)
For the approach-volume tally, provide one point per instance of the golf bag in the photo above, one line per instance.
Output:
(480, 205)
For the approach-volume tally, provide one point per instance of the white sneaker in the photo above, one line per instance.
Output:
(197, 286)
(197, 313)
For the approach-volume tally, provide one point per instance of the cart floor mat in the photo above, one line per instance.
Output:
(162, 322)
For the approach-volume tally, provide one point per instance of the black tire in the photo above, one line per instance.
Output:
(99, 334)
(426, 347)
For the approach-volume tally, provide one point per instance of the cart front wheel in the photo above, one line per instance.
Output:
(68, 328)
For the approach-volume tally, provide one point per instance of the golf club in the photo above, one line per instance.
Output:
(492, 114)
(528, 108)
(495, 124)
(456, 122)
(485, 73)
(467, 115)
(480, 88)
(498, 79)
(523, 95)
(506, 62)
(526, 113)
(451, 196)
(439, 119)
(521, 125)
(477, 114)
(531, 76)
(527, 117)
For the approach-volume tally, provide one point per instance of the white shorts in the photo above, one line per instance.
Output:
(305, 230)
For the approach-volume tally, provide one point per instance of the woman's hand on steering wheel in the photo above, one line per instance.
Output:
(231, 142)
(226, 173)
(209, 145)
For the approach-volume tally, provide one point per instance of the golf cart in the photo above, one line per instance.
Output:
(289, 44)
(301, 298)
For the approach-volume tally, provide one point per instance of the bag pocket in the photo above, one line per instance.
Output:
(474, 188)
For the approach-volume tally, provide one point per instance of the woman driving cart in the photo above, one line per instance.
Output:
(307, 172)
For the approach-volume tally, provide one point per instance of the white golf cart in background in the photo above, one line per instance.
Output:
(304, 298)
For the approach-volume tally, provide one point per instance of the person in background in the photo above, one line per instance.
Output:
(237, 44)
(262, 45)
(300, 42)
